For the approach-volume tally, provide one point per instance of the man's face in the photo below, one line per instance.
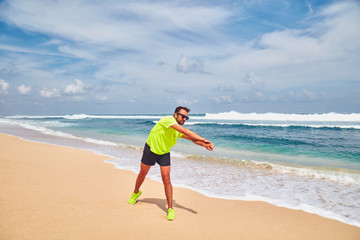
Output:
(179, 116)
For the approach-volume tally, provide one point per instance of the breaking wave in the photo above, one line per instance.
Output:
(323, 117)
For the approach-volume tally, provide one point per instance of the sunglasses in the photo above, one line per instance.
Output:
(183, 116)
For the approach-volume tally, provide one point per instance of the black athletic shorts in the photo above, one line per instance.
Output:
(149, 158)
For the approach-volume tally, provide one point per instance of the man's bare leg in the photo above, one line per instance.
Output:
(144, 169)
(165, 175)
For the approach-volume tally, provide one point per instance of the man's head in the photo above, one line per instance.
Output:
(181, 114)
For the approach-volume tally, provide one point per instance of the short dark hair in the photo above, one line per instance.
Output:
(181, 107)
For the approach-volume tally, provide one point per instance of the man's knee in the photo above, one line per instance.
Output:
(165, 174)
(166, 179)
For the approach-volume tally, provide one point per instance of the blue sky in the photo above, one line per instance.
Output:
(260, 56)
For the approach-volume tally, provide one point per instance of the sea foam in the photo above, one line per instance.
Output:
(324, 117)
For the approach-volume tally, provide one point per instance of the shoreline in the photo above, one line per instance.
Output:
(77, 195)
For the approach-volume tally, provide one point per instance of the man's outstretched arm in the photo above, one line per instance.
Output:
(192, 136)
(208, 145)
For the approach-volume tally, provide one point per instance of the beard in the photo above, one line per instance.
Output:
(180, 122)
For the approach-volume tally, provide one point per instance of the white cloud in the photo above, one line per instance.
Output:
(274, 98)
(77, 52)
(309, 94)
(133, 99)
(124, 24)
(6, 47)
(190, 66)
(303, 95)
(102, 98)
(75, 88)
(224, 99)
(71, 89)
(226, 87)
(254, 80)
(342, 23)
(23, 89)
(53, 93)
(260, 95)
(311, 11)
(77, 98)
(328, 50)
(192, 18)
(3, 86)
(186, 102)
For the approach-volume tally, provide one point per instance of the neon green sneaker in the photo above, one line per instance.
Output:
(134, 196)
(171, 214)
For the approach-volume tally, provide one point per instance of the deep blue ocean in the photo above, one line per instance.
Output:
(300, 161)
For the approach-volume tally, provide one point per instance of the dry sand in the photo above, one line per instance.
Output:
(51, 192)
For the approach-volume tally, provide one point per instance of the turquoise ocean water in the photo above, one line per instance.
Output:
(300, 161)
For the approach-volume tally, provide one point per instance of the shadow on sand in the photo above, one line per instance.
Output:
(162, 204)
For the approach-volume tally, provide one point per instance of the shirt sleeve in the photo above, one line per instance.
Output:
(168, 121)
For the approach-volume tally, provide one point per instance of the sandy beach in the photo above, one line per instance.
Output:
(52, 192)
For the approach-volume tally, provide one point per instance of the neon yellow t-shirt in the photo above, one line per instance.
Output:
(163, 137)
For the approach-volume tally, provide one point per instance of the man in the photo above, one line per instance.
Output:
(162, 137)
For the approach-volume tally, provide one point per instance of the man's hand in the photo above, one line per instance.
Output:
(209, 146)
